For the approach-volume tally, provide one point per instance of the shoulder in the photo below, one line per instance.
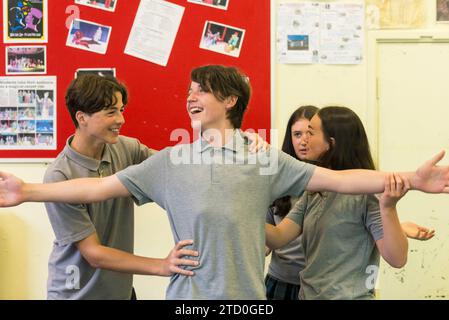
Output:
(59, 169)
(126, 143)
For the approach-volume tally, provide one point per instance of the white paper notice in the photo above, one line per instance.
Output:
(154, 31)
(298, 32)
(342, 34)
(327, 33)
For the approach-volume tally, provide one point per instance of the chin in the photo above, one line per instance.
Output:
(196, 124)
(112, 140)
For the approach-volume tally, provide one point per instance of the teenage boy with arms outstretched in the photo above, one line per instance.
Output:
(92, 256)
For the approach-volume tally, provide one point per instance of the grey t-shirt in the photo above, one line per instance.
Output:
(288, 261)
(69, 275)
(220, 204)
(339, 234)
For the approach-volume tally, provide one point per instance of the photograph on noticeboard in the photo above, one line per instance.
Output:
(24, 21)
(25, 60)
(103, 72)
(108, 5)
(90, 36)
(219, 4)
(222, 38)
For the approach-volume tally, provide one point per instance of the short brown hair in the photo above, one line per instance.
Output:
(92, 93)
(224, 82)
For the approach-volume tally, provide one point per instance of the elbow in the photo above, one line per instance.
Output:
(93, 258)
(399, 262)
(93, 261)
(94, 264)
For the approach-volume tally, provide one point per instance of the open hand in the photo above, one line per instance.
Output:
(431, 178)
(11, 190)
(417, 232)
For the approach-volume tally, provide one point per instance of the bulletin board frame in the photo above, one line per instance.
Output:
(157, 93)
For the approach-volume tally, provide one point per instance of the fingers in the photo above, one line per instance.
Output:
(395, 185)
(257, 143)
(3, 175)
(186, 262)
(388, 184)
(183, 243)
(184, 252)
(176, 258)
(182, 271)
(407, 184)
(435, 159)
(425, 235)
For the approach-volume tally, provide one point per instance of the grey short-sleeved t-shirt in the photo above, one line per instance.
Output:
(339, 241)
(220, 203)
(288, 261)
(69, 275)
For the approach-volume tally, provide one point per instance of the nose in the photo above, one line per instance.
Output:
(120, 118)
(304, 140)
(191, 97)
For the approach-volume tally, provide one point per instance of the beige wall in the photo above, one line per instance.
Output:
(26, 236)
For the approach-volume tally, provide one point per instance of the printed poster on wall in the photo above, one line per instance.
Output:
(24, 21)
(154, 31)
(326, 33)
(28, 113)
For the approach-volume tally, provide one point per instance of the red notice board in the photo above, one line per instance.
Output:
(157, 94)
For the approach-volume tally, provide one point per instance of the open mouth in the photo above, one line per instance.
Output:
(195, 110)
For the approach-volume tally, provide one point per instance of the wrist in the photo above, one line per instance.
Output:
(27, 192)
(388, 209)
(162, 267)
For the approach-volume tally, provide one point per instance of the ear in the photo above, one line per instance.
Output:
(81, 118)
(332, 142)
(230, 102)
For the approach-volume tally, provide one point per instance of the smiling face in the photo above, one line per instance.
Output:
(104, 126)
(206, 110)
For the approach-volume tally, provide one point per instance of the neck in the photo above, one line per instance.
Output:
(218, 137)
(87, 146)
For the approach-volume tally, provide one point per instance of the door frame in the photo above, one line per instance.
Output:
(374, 40)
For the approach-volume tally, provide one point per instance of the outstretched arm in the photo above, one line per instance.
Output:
(14, 191)
(103, 257)
(393, 246)
(428, 178)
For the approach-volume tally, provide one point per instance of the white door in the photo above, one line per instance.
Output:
(413, 80)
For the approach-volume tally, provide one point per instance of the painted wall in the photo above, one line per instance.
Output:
(25, 233)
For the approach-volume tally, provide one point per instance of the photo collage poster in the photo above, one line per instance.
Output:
(28, 113)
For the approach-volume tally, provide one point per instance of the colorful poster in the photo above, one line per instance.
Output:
(28, 113)
(24, 21)
(26, 60)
